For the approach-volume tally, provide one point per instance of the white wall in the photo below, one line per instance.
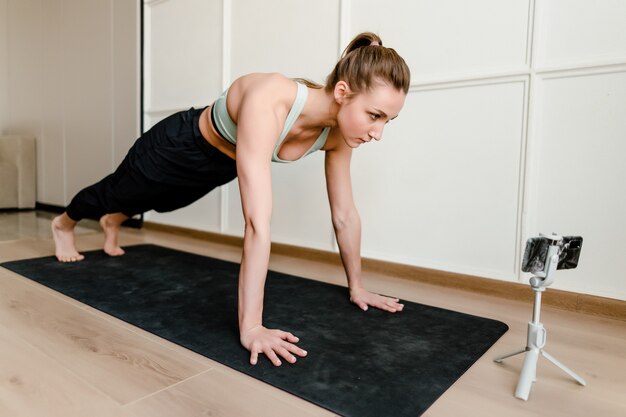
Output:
(72, 81)
(515, 124)
(4, 66)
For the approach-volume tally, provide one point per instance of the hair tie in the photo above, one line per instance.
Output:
(375, 43)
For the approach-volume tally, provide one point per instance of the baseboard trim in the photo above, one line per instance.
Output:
(49, 208)
(565, 300)
(15, 209)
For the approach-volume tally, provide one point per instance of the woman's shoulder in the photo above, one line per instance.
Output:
(262, 82)
(271, 91)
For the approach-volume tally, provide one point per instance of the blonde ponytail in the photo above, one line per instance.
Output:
(366, 61)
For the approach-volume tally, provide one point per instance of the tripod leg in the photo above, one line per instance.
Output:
(527, 376)
(563, 368)
(499, 359)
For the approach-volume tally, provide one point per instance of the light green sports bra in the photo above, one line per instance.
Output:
(228, 129)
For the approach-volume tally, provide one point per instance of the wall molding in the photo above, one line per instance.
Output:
(582, 69)
(530, 33)
(4, 64)
(345, 28)
(64, 53)
(522, 227)
(152, 3)
(227, 12)
(227, 19)
(470, 81)
(146, 75)
(498, 77)
(112, 69)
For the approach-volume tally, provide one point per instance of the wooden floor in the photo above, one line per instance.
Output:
(61, 358)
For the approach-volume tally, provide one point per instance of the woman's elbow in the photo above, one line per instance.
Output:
(345, 219)
(257, 227)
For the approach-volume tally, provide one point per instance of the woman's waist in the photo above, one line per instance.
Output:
(210, 134)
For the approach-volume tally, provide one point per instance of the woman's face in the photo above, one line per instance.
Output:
(363, 116)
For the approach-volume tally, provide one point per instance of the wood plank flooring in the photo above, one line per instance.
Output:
(61, 358)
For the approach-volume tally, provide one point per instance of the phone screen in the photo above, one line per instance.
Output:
(570, 252)
(536, 253)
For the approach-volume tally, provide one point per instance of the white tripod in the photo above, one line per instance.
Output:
(536, 338)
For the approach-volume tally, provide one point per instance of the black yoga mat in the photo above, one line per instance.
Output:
(359, 363)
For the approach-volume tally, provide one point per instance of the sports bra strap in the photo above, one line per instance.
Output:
(228, 129)
(298, 104)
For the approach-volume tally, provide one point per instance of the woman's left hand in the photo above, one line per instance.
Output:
(363, 298)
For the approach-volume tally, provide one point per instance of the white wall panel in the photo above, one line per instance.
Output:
(86, 37)
(51, 143)
(445, 38)
(300, 214)
(4, 64)
(24, 63)
(185, 69)
(579, 177)
(68, 87)
(233, 215)
(26, 56)
(579, 31)
(441, 189)
(297, 38)
(204, 214)
(125, 76)
(184, 56)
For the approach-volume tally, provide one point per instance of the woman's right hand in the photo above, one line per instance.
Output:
(271, 342)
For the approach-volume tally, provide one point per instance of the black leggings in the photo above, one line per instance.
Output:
(169, 167)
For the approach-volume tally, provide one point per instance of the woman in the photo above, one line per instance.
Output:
(260, 118)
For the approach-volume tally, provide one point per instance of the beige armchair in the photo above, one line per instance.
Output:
(18, 176)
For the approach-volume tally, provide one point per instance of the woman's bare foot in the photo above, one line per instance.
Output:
(110, 223)
(63, 234)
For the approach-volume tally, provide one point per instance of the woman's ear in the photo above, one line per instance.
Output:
(342, 92)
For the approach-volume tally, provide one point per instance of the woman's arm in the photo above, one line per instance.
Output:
(347, 226)
(258, 129)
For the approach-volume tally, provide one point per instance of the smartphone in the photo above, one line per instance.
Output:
(536, 253)
(570, 252)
